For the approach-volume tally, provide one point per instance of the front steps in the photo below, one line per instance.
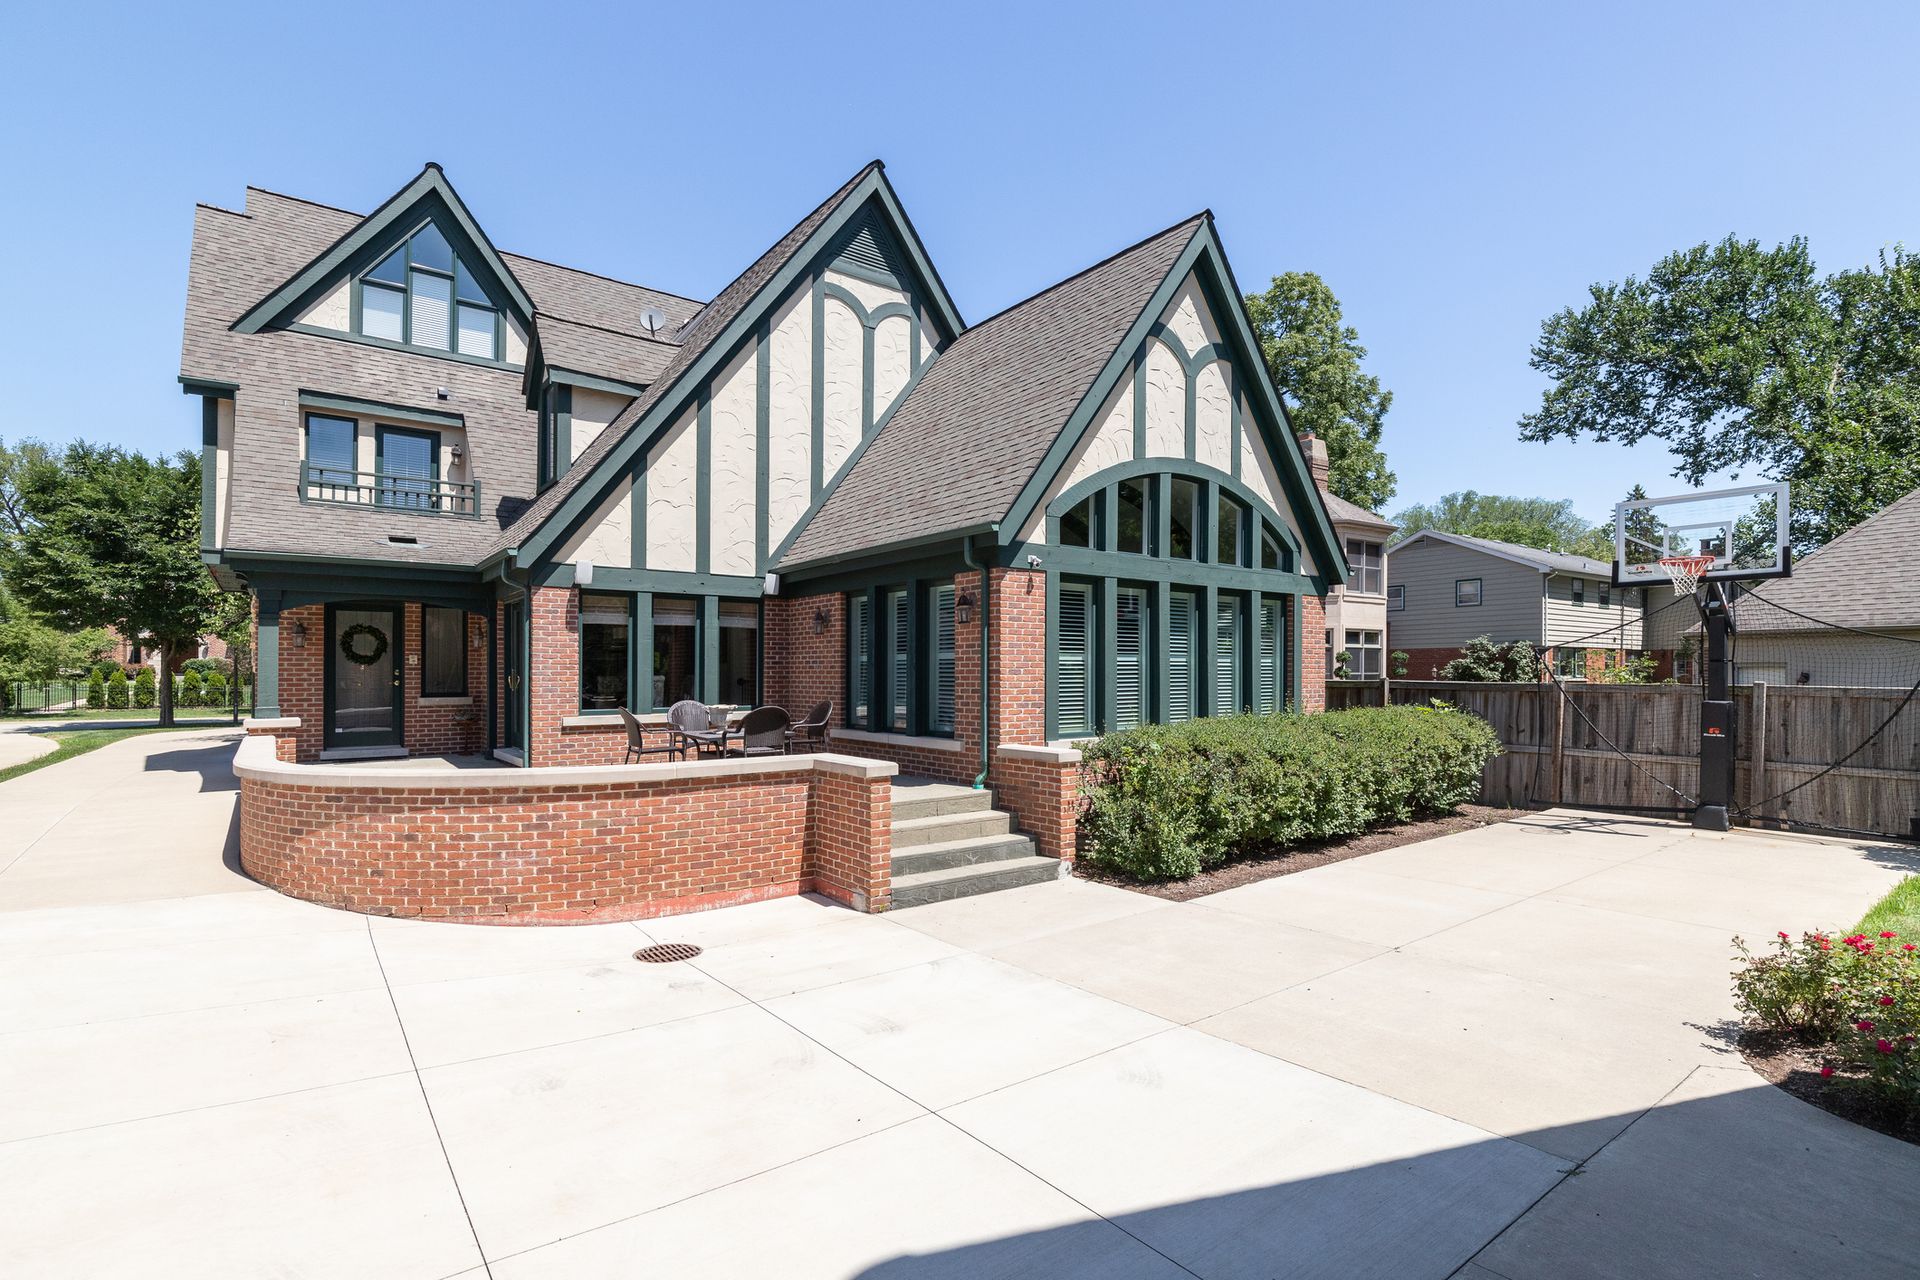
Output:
(950, 842)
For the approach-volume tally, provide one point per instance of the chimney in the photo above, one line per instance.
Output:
(1316, 451)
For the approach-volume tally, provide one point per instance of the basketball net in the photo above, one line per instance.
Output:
(1685, 571)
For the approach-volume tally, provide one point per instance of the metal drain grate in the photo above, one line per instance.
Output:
(666, 952)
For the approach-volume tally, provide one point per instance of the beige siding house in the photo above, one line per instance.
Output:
(1356, 611)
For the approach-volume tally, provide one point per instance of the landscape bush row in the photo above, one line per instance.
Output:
(196, 688)
(1165, 802)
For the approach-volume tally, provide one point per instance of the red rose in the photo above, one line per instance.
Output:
(1883, 1046)
(1825, 1072)
(1865, 1024)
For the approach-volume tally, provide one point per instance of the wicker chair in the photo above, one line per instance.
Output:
(637, 739)
(810, 734)
(691, 727)
(764, 732)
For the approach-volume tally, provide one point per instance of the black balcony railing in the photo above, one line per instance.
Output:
(427, 495)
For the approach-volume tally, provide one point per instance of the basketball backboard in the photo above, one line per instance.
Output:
(1744, 531)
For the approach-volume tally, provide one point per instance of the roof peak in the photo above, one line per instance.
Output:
(1090, 269)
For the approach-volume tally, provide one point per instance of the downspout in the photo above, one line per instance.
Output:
(986, 649)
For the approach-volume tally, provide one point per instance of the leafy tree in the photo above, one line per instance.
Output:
(1482, 659)
(15, 461)
(1314, 358)
(1742, 359)
(33, 651)
(1530, 522)
(109, 538)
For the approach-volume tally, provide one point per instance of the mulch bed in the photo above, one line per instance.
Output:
(1284, 862)
(1794, 1065)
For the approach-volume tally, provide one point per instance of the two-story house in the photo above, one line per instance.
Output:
(482, 501)
(1449, 589)
(1356, 611)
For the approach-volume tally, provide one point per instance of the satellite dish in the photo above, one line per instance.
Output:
(654, 319)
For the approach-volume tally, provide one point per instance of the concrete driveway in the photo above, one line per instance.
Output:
(1500, 1054)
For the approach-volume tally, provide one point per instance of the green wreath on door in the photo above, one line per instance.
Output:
(353, 654)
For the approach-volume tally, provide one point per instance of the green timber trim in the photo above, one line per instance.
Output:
(762, 434)
(326, 402)
(638, 437)
(817, 451)
(1212, 479)
(208, 387)
(562, 430)
(266, 658)
(387, 344)
(703, 483)
(428, 196)
(667, 582)
(209, 472)
(637, 521)
(946, 563)
(709, 667)
(1140, 401)
(1205, 260)
(593, 382)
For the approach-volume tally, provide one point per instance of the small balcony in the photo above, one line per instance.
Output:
(425, 495)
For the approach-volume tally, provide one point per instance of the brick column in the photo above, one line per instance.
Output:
(1313, 653)
(279, 728)
(1018, 651)
(553, 668)
(1040, 786)
(850, 831)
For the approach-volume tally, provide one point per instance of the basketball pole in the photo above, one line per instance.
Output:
(1717, 730)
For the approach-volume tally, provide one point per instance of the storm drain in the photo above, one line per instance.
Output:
(666, 952)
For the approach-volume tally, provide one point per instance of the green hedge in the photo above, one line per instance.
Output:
(1169, 801)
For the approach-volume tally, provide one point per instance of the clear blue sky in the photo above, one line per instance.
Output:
(1455, 172)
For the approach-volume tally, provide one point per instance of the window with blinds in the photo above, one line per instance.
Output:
(1266, 662)
(899, 660)
(1182, 641)
(423, 294)
(942, 659)
(859, 659)
(1130, 658)
(1226, 659)
(1073, 661)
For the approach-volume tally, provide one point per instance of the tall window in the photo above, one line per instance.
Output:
(1363, 655)
(1396, 599)
(1226, 659)
(1184, 510)
(739, 652)
(942, 641)
(1183, 642)
(676, 649)
(331, 456)
(901, 648)
(605, 629)
(408, 465)
(859, 659)
(425, 295)
(1130, 707)
(899, 659)
(443, 652)
(1267, 694)
(1579, 590)
(1231, 536)
(1073, 659)
(1135, 531)
(1363, 566)
(1606, 594)
(1076, 527)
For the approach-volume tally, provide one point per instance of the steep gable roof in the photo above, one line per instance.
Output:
(704, 340)
(568, 345)
(1864, 578)
(1344, 512)
(957, 451)
(1532, 557)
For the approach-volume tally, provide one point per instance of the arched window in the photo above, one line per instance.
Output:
(423, 294)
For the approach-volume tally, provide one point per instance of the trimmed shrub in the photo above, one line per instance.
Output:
(1166, 802)
(144, 686)
(193, 690)
(117, 690)
(216, 690)
(96, 690)
(207, 666)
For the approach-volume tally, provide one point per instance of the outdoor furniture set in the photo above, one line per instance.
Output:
(694, 728)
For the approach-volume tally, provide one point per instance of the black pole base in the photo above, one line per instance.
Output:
(1711, 817)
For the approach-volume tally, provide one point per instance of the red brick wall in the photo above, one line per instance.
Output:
(1313, 653)
(527, 851)
(1425, 664)
(1045, 795)
(1019, 654)
(303, 676)
(801, 665)
(440, 726)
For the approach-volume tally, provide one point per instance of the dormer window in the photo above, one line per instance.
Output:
(424, 295)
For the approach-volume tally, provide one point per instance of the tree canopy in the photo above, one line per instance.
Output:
(1745, 359)
(110, 538)
(1546, 523)
(1314, 359)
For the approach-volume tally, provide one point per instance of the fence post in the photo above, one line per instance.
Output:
(1757, 768)
(1559, 741)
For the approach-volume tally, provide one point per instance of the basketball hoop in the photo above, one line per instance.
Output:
(1685, 571)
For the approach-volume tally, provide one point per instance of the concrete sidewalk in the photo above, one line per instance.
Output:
(1388, 1067)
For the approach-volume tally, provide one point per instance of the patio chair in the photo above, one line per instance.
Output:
(690, 725)
(637, 739)
(764, 732)
(810, 734)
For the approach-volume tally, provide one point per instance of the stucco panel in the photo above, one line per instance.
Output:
(593, 411)
(670, 497)
(1108, 444)
(892, 361)
(1166, 403)
(789, 416)
(607, 537)
(734, 495)
(1190, 318)
(333, 310)
(845, 362)
(872, 296)
(1213, 417)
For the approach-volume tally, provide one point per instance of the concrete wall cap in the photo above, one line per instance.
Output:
(853, 766)
(897, 740)
(1051, 755)
(254, 725)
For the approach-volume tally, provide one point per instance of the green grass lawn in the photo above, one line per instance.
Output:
(128, 713)
(1899, 911)
(73, 742)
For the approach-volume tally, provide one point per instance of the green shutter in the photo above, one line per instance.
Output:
(1073, 669)
(943, 659)
(1267, 659)
(1130, 658)
(860, 658)
(1180, 656)
(1226, 659)
(899, 661)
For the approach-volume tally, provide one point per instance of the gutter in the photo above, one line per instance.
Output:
(986, 649)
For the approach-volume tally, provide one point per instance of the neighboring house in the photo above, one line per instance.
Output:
(482, 501)
(1450, 589)
(1357, 611)
(1806, 629)
(134, 654)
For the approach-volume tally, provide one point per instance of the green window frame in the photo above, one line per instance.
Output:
(1268, 646)
(331, 470)
(940, 640)
(1182, 664)
(670, 622)
(406, 490)
(1132, 624)
(1231, 543)
(1073, 661)
(422, 294)
(1228, 653)
(859, 660)
(899, 650)
(606, 624)
(443, 652)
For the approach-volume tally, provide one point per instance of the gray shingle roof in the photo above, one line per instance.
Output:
(1343, 512)
(1868, 577)
(971, 433)
(695, 338)
(585, 348)
(1551, 561)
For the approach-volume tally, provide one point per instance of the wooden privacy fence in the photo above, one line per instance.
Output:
(1846, 759)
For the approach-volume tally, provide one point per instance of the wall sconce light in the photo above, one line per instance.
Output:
(963, 609)
(820, 621)
(299, 634)
(457, 453)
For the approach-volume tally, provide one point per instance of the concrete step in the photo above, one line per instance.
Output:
(923, 887)
(968, 852)
(944, 827)
(924, 798)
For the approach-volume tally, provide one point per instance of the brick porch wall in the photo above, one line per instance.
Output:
(562, 846)
(1313, 653)
(303, 677)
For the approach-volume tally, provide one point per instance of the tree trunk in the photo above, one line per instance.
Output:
(166, 683)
